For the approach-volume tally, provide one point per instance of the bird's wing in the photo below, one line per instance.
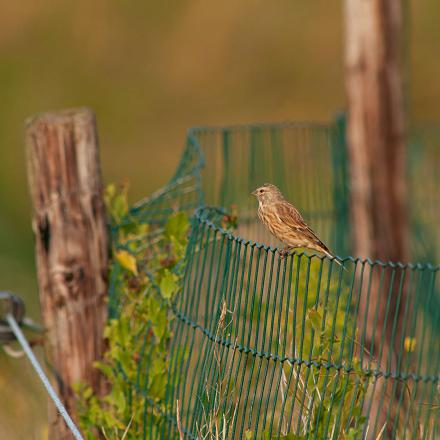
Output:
(290, 216)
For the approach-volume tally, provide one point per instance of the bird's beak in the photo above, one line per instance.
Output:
(254, 193)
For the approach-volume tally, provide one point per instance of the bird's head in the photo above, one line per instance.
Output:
(267, 193)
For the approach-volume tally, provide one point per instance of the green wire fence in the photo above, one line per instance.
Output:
(294, 348)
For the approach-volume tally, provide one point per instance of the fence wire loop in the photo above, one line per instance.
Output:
(9, 304)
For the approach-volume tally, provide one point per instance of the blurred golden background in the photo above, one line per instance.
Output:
(150, 70)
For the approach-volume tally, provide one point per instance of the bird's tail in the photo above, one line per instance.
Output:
(334, 259)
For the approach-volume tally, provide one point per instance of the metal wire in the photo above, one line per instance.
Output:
(38, 369)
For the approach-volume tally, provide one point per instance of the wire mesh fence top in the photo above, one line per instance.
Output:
(222, 166)
(308, 162)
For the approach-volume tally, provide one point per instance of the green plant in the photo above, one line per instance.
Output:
(145, 274)
(324, 387)
(218, 412)
(328, 401)
(321, 401)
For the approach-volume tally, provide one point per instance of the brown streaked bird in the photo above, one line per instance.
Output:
(285, 222)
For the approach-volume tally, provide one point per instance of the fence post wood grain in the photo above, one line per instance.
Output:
(71, 248)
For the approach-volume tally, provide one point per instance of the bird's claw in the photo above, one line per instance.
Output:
(284, 252)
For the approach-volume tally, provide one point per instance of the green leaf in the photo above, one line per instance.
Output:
(315, 319)
(116, 201)
(119, 400)
(109, 193)
(169, 284)
(104, 368)
(158, 387)
(139, 230)
(88, 393)
(177, 226)
(354, 434)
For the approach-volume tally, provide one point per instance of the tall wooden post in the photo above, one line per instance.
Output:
(71, 247)
(376, 128)
(376, 146)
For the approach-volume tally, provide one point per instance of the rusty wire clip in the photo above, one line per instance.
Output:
(14, 305)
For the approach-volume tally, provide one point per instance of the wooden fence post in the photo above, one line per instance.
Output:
(376, 128)
(376, 148)
(71, 247)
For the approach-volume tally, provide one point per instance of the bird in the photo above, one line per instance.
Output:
(286, 223)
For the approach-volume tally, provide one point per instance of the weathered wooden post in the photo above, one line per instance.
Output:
(376, 127)
(71, 247)
(376, 147)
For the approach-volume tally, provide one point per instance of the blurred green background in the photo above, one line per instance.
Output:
(150, 70)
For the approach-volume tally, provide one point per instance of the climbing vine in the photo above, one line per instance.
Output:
(145, 274)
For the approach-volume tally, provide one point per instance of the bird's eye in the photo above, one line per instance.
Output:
(261, 191)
